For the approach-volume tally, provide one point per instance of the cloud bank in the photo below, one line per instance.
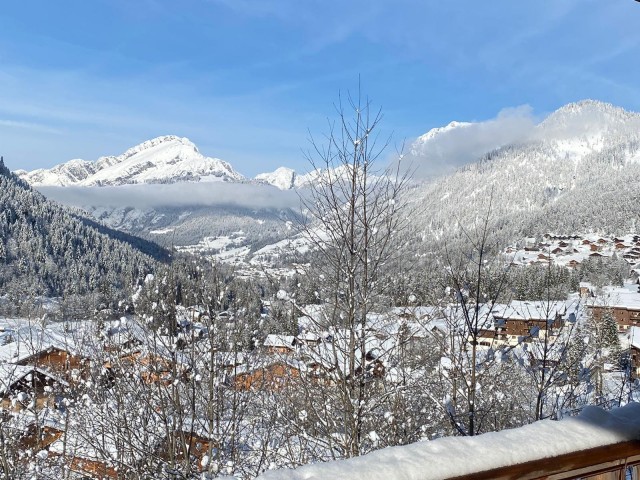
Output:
(242, 195)
(455, 147)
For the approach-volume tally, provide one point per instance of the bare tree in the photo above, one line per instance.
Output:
(355, 221)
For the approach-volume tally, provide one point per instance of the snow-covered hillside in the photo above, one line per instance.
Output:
(423, 142)
(284, 178)
(166, 159)
(578, 171)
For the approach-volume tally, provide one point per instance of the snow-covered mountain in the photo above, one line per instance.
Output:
(423, 141)
(166, 159)
(283, 178)
(577, 171)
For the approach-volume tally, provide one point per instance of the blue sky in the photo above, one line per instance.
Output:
(246, 80)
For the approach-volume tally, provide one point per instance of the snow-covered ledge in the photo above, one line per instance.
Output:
(607, 440)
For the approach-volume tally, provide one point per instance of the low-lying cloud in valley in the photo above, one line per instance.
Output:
(242, 195)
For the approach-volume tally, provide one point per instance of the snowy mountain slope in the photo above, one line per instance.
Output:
(283, 178)
(47, 249)
(286, 179)
(166, 159)
(423, 142)
(580, 152)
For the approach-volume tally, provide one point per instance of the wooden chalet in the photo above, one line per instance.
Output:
(270, 374)
(280, 343)
(625, 316)
(150, 367)
(526, 321)
(59, 360)
(21, 385)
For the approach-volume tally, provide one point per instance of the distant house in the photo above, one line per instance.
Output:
(81, 458)
(280, 343)
(184, 444)
(22, 384)
(625, 316)
(150, 367)
(585, 290)
(266, 374)
(525, 321)
(489, 337)
(56, 360)
(622, 303)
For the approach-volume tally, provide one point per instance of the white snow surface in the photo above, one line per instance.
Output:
(165, 159)
(283, 178)
(442, 458)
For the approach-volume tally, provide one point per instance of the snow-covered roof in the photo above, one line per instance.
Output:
(274, 340)
(626, 296)
(10, 374)
(530, 310)
(441, 458)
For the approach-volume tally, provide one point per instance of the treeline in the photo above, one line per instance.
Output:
(47, 250)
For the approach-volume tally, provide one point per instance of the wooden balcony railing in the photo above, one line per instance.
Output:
(596, 445)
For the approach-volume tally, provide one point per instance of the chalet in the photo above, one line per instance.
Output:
(267, 374)
(625, 316)
(57, 360)
(573, 263)
(280, 343)
(585, 290)
(544, 356)
(185, 444)
(150, 367)
(122, 335)
(309, 338)
(557, 251)
(526, 321)
(39, 435)
(622, 303)
(21, 385)
(81, 459)
(488, 337)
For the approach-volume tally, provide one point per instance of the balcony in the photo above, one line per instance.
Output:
(595, 445)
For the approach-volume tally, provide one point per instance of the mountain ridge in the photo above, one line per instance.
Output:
(164, 159)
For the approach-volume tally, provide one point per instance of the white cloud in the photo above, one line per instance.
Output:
(456, 147)
(241, 195)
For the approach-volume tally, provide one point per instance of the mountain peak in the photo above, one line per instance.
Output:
(164, 159)
(161, 140)
(434, 132)
(587, 117)
(283, 178)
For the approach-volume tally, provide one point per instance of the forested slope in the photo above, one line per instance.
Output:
(46, 249)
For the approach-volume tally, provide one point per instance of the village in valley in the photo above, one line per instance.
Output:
(193, 386)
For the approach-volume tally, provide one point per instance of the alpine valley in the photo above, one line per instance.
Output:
(567, 174)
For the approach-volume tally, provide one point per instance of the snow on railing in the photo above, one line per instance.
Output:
(595, 441)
